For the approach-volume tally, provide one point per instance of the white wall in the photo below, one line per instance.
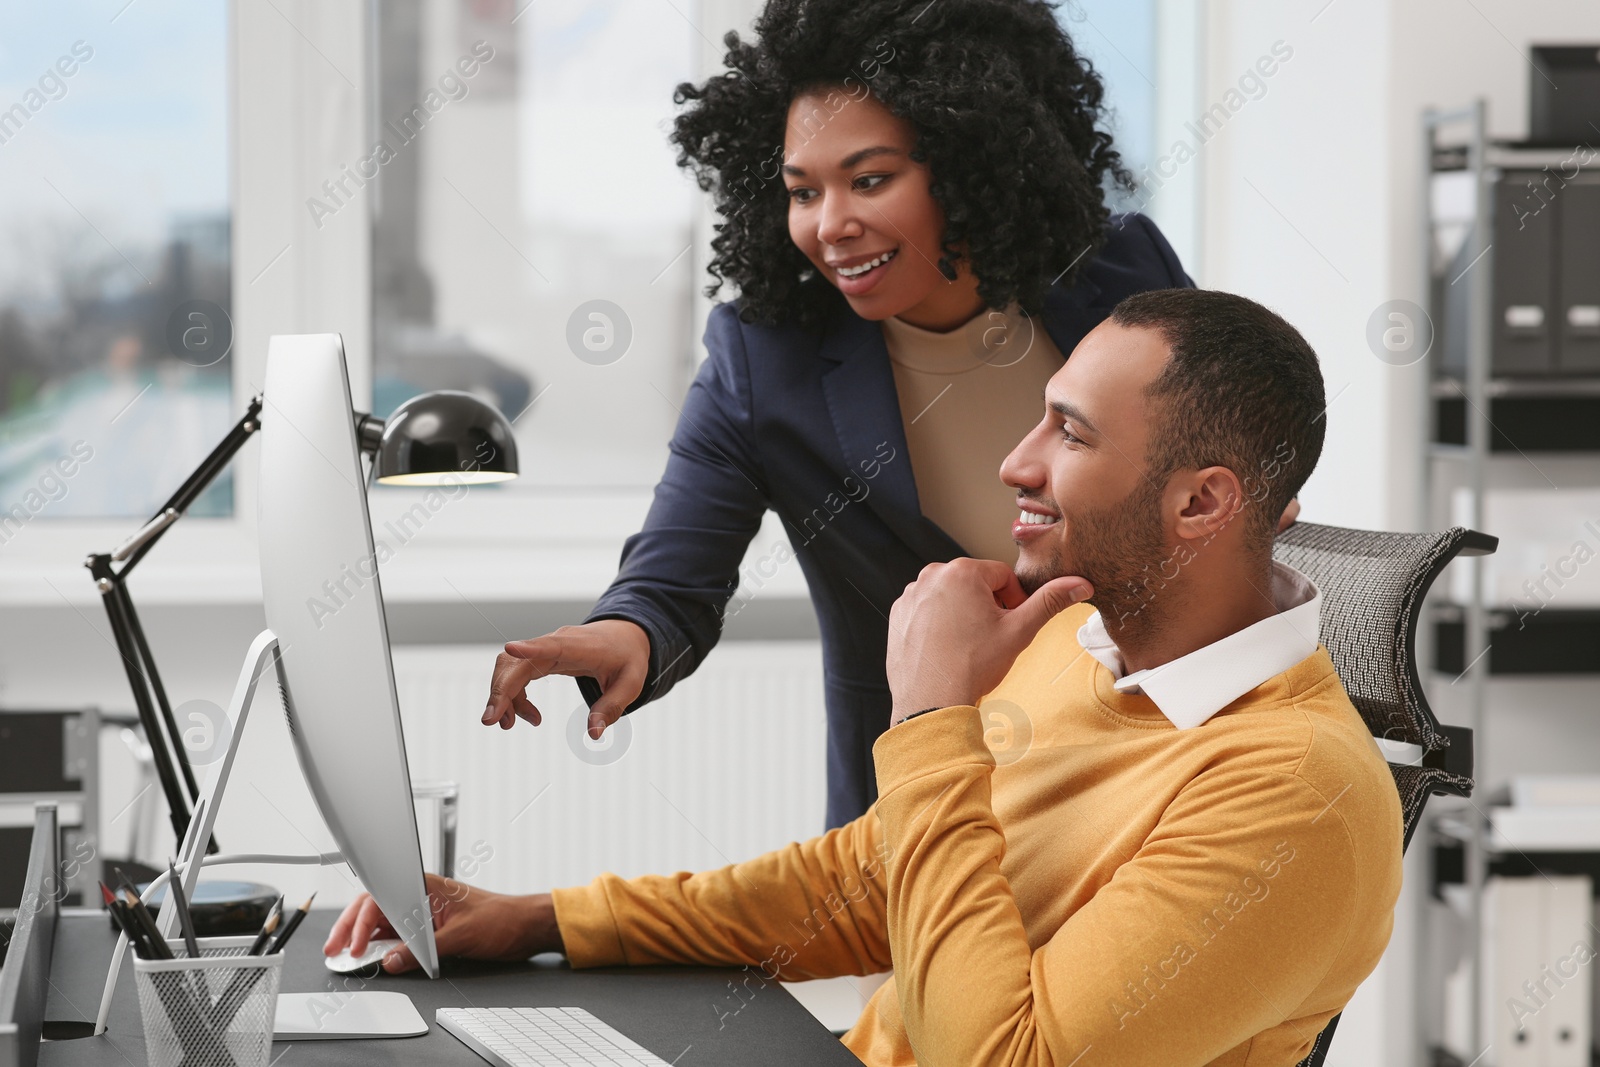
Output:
(1297, 212)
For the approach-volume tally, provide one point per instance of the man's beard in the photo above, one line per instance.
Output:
(1121, 549)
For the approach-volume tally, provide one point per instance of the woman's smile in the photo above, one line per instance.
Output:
(858, 279)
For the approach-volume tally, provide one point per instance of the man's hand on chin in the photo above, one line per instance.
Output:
(956, 630)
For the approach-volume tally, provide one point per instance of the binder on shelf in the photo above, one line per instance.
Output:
(1524, 257)
(1569, 955)
(1538, 955)
(1512, 946)
(1578, 325)
(1544, 259)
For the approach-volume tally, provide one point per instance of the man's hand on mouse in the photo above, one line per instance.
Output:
(468, 922)
(957, 629)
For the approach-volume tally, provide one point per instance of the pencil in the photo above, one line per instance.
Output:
(124, 882)
(274, 916)
(142, 918)
(185, 920)
(294, 922)
(243, 981)
(233, 997)
(119, 914)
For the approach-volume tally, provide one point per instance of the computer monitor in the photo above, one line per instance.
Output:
(324, 603)
(25, 975)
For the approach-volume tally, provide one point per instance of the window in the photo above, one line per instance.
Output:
(1119, 38)
(1147, 53)
(114, 259)
(532, 231)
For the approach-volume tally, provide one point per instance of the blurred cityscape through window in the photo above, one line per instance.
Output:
(114, 258)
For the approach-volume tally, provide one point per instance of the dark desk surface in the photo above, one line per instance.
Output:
(685, 1015)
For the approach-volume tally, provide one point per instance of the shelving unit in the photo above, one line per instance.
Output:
(1480, 423)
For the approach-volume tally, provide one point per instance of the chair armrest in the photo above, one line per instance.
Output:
(1456, 758)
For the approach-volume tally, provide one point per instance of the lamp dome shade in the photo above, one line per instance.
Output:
(446, 437)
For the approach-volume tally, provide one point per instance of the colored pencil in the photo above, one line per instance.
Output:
(119, 913)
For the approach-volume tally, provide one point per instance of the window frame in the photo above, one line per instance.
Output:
(299, 106)
(300, 99)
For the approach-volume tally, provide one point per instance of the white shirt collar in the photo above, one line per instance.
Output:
(1192, 688)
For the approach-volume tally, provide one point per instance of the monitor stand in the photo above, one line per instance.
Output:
(300, 1016)
(331, 1015)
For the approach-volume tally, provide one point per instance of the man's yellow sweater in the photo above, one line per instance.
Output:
(1058, 870)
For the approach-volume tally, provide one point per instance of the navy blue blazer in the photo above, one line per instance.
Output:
(807, 423)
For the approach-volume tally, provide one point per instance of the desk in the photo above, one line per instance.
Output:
(679, 1013)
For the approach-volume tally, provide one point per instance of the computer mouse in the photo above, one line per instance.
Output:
(368, 964)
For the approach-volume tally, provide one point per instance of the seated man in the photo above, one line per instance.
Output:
(1157, 830)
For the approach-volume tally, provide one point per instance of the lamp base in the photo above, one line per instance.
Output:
(224, 909)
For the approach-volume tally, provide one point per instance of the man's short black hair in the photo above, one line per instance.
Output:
(1242, 390)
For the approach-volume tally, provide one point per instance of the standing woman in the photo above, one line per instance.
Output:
(912, 212)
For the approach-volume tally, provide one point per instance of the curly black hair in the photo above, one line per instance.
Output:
(1006, 112)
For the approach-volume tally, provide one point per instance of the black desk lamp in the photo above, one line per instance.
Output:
(429, 440)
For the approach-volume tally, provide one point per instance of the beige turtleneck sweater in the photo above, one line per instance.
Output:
(967, 396)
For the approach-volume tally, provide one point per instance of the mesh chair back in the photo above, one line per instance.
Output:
(1372, 588)
(1373, 584)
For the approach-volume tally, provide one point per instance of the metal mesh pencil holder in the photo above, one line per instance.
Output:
(213, 1011)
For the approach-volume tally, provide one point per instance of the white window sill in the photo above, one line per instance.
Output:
(516, 549)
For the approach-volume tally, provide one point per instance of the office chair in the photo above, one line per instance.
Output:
(1373, 585)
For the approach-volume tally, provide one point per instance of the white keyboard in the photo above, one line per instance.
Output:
(544, 1037)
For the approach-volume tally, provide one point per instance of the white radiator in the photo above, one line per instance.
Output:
(728, 765)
